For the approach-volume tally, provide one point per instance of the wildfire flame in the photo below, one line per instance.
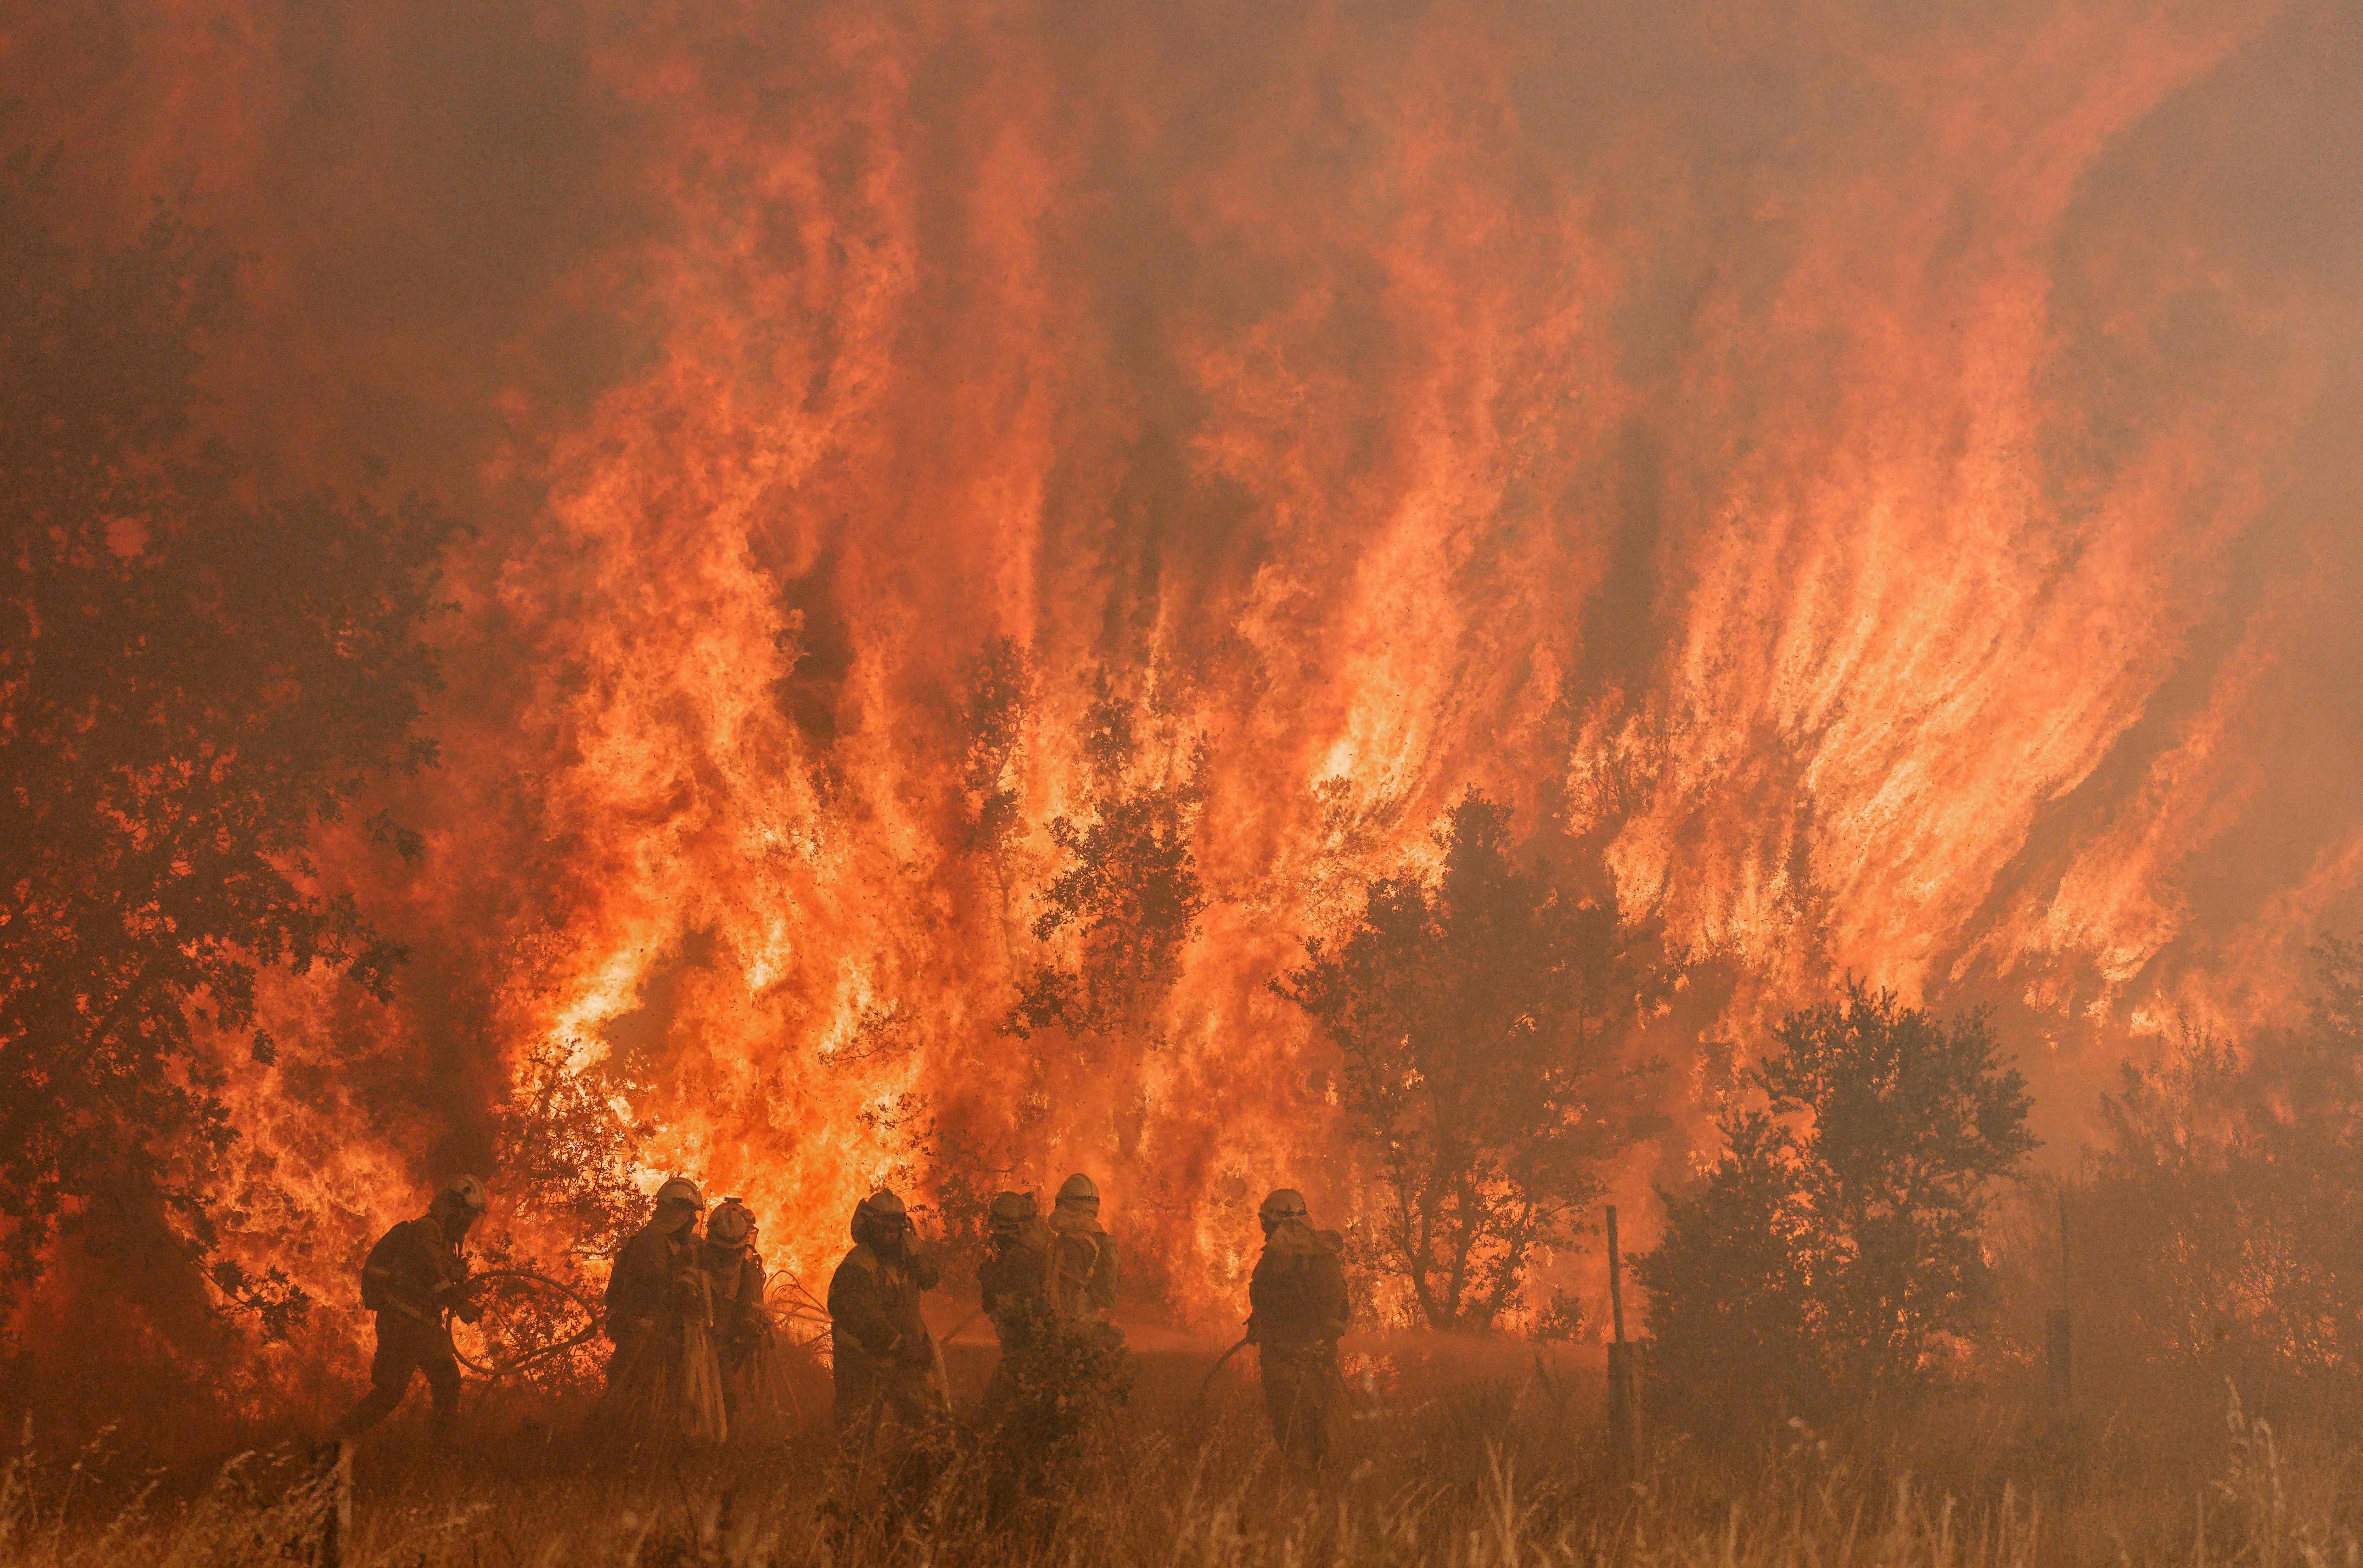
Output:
(1878, 479)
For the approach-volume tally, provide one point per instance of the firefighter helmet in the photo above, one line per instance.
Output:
(1285, 1203)
(880, 1216)
(1009, 1211)
(732, 1223)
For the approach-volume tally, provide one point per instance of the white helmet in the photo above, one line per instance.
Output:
(731, 1223)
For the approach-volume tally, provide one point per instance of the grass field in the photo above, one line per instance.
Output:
(1487, 1460)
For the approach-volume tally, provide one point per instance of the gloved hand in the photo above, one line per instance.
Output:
(914, 1352)
(459, 1296)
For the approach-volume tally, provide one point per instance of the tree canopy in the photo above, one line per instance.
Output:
(1125, 900)
(1834, 1249)
(192, 681)
(2225, 1208)
(1477, 1014)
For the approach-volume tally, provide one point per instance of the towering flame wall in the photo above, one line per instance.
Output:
(1881, 482)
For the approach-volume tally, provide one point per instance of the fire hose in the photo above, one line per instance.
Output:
(497, 1369)
(594, 1323)
(1221, 1362)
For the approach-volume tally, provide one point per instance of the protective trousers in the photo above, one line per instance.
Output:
(1297, 1384)
(868, 1395)
(405, 1346)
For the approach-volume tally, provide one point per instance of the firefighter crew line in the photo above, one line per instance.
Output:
(693, 1350)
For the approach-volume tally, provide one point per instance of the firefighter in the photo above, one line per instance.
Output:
(1059, 1375)
(734, 1277)
(1080, 1272)
(662, 1380)
(415, 1273)
(1013, 1282)
(1014, 1276)
(885, 1358)
(1298, 1310)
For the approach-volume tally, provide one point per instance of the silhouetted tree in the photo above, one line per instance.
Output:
(568, 1157)
(1834, 1250)
(1126, 900)
(190, 684)
(2224, 1209)
(995, 700)
(1478, 1017)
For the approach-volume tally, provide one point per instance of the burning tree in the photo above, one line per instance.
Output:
(1834, 1250)
(1478, 1016)
(995, 701)
(190, 685)
(1128, 897)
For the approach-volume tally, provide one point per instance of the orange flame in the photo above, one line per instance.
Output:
(1847, 472)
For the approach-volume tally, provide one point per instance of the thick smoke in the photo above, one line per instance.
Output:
(1878, 479)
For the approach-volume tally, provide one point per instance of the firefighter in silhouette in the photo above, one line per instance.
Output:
(648, 1288)
(415, 1273)
(1062, 1366)
(1082, 1269)
(1014, 1280)
(734, 1282)
(1015, 1274)
(662, 1380)
(1297, 1312)
(885, 1358)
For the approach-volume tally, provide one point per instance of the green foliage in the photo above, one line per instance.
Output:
(1476, 1017)
(191, 683)
(1833, 1252)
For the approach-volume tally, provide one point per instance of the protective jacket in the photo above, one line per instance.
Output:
(1080, 1272)
(1013, 1282)
(1296, 1297)
(736, 1281)
(405, 1275)
(874, 1309)
(883, 1359)
(641, 1292)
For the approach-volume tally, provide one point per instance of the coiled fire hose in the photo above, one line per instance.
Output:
(496, 1370)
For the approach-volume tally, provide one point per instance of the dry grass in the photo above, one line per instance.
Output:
(1485, 1474)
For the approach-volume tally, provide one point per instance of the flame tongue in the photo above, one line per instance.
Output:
(1836, 472)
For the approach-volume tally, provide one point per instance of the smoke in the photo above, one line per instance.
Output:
(1877, 478)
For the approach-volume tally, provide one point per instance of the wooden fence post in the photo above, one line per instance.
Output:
(1621, 1454)
(2058, 1334)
